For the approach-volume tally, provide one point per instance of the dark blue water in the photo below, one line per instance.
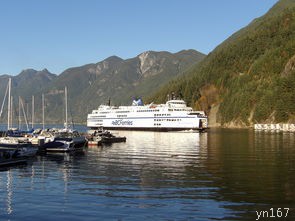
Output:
(219, 175)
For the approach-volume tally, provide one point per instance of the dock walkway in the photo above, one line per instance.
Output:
(275, 127)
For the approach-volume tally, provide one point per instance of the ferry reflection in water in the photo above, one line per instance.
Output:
(223, 174)
(169, 156)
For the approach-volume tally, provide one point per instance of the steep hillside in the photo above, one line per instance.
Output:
(250, 77)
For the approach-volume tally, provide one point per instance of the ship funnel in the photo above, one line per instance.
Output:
(137, 102)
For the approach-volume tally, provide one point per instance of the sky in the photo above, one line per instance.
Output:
(60, 34)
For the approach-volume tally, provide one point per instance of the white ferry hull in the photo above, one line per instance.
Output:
(148, 117)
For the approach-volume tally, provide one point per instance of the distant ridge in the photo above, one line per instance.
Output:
(92, 84)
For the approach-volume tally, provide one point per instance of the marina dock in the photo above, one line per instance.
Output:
(275, 127)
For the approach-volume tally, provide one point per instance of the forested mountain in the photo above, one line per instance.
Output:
(92, 84)
(250, 77)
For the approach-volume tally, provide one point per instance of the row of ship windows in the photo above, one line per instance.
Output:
(157, 110)
(99, 116)
(103, 112)
(98, 120)
(108, 112)
(125, 115)
(167, 119)
(122, 115)
(153, 110)
(177, 109)
(159, 115)
(177, 102)
(156, 119)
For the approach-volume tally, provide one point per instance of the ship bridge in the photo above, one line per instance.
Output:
(176, 103)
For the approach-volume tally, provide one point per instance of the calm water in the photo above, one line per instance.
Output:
(219, 175)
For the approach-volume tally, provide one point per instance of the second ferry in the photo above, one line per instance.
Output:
(174, 115)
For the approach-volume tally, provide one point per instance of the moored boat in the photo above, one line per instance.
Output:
(62, 140)
(22, 144)
(108, 137)
(10, 156)
(15, 155)
(103, 136)
(94, 141)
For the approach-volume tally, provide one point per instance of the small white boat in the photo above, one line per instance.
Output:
(21, 144)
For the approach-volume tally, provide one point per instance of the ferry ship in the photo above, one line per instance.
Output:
(175, 115)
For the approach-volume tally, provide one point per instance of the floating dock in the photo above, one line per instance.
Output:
(275, 127)
(94, 143)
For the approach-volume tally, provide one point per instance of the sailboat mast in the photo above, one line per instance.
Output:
(24, 113)
(19, 119)
(4, 100)
(9, 105)
(66, 103)
(33, 109)
(11, 111)
(43, 111)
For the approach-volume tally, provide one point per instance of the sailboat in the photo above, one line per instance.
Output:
(14, 149)
(63, 140)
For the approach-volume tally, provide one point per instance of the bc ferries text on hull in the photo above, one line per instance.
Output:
(175, 115)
